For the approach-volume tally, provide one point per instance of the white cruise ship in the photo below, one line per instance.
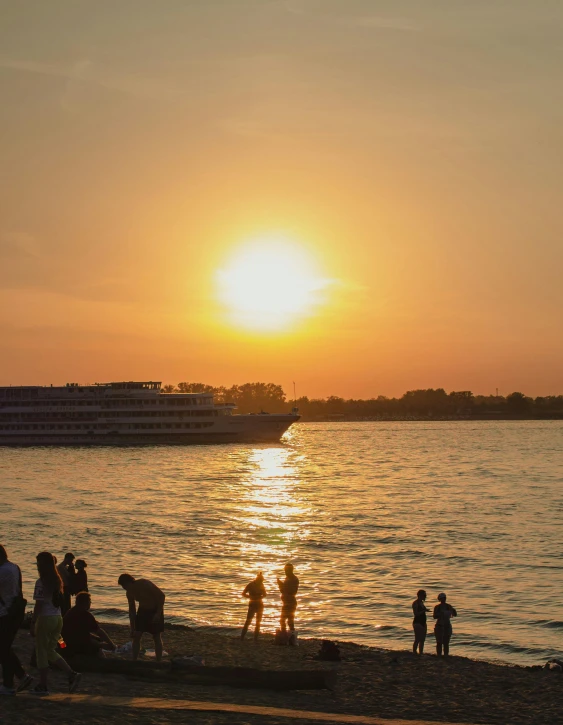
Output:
(127, 413)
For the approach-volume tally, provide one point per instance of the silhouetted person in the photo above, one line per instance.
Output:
(81, 632)
(150, 615)
(419, 622)
(66, 572)
(255, 592)
(80, 578)
(288, 588)
(443, 628)
(47, 623)
(12, 612)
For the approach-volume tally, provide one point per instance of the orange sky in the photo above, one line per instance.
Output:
(412, 150)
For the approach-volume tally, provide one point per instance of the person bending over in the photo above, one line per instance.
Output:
(81, 632)
(288, 588)
(443, 614)
(419, 621)
(254, 591)
(150, 615)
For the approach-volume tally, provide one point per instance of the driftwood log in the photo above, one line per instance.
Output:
(245, 677)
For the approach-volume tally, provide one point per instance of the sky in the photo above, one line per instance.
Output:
(398, 162)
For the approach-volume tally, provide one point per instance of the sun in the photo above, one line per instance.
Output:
(270, 284)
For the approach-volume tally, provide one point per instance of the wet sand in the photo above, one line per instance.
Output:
(370, 682)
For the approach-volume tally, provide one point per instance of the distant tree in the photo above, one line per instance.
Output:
(169, 389)
(518, 403)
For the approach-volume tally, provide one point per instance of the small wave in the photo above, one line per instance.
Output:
(549, 623)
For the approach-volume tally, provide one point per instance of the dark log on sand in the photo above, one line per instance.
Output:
(201, 675)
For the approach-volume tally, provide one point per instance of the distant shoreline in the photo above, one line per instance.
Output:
(425, 418)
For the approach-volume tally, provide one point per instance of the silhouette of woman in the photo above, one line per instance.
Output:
(254, 591)
(443, 628)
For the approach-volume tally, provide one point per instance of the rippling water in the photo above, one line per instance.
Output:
(368, 513)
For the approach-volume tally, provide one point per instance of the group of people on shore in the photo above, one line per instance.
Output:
(55, 620)
(443, 613)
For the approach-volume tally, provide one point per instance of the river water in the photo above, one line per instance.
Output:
(367, 512)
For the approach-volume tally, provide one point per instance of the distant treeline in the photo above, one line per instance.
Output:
(414, 404)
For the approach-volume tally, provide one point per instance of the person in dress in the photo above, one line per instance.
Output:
(10, 620)
(254, 591)
(288, 588)
(150, 615)
(66, 572)
(81, 632)
(443, 613)
(419, 622)
(47, 624)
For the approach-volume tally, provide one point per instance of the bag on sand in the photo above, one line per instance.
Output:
(281, 638)
(292, 641)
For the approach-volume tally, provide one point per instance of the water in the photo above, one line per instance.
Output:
(368, 513)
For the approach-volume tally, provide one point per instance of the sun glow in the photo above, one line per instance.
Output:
(270, 284)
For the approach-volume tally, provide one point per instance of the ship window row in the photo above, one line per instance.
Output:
(116, 402)
(47, 416)
(139, 426)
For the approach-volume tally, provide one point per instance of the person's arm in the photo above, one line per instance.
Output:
(246, 593)
(414, 608)
(436, 613)
(454, 612)
(263, 591)
(280, 585)
(36, 613)
(104, 636)
(132, 613)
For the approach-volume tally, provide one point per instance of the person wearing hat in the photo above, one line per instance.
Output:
(443, 614)
(288, 588)
(254, 591)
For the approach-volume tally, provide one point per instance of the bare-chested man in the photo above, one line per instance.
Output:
(150, 615)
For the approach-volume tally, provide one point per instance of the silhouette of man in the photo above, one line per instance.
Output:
(255, 592)
(288, 588)
(150, 615)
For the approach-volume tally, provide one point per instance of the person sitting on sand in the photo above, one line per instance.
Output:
(419, 621)
(81, 632)
(80, 578)
(288, 589)
(150, 615)
(255, 592)
(443, 628)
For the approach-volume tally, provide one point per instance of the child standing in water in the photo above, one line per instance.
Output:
(419, 621)
(254, 591)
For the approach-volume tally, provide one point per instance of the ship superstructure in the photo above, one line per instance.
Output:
(127, 413)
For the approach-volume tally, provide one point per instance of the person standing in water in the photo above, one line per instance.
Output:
(419, 621)
(443, 614)
(254, 591)
(288, 588)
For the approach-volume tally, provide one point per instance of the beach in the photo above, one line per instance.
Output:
(370, 682)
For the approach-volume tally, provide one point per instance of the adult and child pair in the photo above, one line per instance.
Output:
(443, 613)
(255, 592)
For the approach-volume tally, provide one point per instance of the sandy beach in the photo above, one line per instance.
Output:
(370, 682)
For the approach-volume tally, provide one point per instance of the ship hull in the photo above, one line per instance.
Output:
(237, 429)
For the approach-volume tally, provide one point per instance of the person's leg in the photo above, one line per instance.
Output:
(247, 623)
(259, 613)
(446, 645)
(422, 640)
(158, 645)
(54, 634)
(136, 644)
(6, 639)
(291, 620)
(416, 629)
(283, 618)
